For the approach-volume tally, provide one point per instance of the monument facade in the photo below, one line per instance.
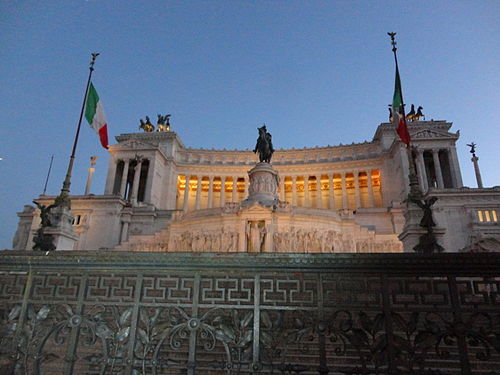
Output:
(163, 196)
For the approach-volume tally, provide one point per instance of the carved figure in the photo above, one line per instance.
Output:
(419, 114)
(264, 145)
(391, 117)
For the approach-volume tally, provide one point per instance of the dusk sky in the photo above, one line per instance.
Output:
(316, 72)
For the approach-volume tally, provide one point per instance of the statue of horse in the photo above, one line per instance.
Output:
(163, 123)
(411, 115)
(419, 114)
(264, 145)
(146, 126)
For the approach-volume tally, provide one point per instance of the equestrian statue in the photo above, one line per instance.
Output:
(264, 145)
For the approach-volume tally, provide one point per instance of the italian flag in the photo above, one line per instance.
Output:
(94, 113)
(398, 112)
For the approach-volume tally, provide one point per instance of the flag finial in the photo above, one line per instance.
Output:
(94, 56)
(393, 41)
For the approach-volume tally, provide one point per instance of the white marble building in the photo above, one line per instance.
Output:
(163, 196)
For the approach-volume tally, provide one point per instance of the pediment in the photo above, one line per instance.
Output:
(256, 207)
(430, 134)
(133, 144)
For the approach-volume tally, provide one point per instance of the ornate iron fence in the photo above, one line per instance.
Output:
(172, 313)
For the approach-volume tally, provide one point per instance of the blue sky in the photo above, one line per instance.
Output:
(316, 72)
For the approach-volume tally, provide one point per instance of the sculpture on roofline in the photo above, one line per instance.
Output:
(163, 123)
(147, 126)
(264, 145)
(419, 114)
(415, 116)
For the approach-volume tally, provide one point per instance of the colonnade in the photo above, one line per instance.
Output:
(343, 190)
(435, 169)
(132, 179)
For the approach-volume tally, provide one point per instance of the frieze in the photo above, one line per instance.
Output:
(430, 134)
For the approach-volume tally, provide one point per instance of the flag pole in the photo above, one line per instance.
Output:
(63, 198)
(48, 175)
(412, 175)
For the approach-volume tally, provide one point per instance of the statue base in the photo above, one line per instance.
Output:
(61, 230)
(263, 188)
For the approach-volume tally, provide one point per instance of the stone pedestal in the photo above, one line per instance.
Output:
(410, 236)
(263, 187)
(61, 230)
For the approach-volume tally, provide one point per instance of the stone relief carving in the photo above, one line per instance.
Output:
(256, 235)
(328, 241)
(206, 241)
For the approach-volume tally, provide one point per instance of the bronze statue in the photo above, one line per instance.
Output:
(391, 116)
(146, 126)
(41, 240)
(472, 149)
(427, 242)
(44, 214)
(419, 114)
(411, 115)
(427, 221)
(264, 145)
(163, 123)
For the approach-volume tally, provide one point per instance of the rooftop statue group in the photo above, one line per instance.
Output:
(410, 116)
(162, 124)
(264, 145)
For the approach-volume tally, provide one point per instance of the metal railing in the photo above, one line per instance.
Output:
(184, 313)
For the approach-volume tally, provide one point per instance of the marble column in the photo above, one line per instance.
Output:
(247, 183)
(294, 190)
(222, 191)
(357, 197)
(371, 198)
(111, 178)
(477, 171)
(186, 194)
(135, 184)
(149, 181)
(318, 192)
(124, 233)
(123, 184)
(307, 203)
(345, 202)
(235, 189)
(437, 169)
(282, 188)
(210, 192)
(331, 192)
(455, 167)
(421, 164)
(198, 193)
